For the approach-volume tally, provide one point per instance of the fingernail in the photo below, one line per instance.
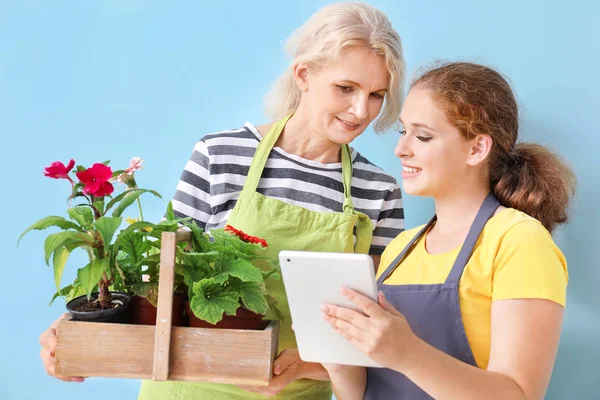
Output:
(325, 308)
(343, 290)
(326, 316)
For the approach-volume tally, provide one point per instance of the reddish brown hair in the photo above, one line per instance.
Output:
(525, 176)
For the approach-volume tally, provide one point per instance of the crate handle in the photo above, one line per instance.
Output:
(164, 312)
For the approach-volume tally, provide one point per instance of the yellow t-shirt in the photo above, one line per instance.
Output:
(514, 258)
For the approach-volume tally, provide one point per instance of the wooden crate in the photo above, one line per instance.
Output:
(163, 352)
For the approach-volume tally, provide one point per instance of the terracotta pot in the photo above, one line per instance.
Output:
(118, 314)
(243, 319)
(144, 313)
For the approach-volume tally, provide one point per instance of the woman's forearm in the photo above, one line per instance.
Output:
(349, 382)
(314, 371)
(444, 377)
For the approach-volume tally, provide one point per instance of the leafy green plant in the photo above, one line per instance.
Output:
(90, 227)
(225, 271)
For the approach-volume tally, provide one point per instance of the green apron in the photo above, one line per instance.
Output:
(284, 227)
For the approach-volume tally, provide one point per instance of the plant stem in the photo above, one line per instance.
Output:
(140, 208)
(104, 296)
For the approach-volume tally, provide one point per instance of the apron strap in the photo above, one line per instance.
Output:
(394, 264)
(347, 179)
(262, 155)
(364, 226)
(487, 210)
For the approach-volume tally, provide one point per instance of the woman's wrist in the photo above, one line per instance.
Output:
(409, 359)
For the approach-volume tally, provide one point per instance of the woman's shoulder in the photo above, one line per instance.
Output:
(512, 224)
(367, 170)
(232, 136)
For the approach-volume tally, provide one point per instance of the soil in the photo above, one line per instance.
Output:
(93, 305)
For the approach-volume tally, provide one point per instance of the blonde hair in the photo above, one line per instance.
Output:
(319, 42)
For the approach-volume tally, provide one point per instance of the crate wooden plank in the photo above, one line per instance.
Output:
(224, 355)
(197, 354)
(162, 338)
(101, 349)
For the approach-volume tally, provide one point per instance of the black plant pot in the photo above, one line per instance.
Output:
(118, 314)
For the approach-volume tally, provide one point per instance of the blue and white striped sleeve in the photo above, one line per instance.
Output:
(192, 197)
(390, 222)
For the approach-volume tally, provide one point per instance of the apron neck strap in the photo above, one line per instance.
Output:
(347, 179)
(394, 264)
(259, 160)
(486, 211)
(262, 155)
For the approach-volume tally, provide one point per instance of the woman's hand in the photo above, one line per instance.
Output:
(287, 368)
(47, 353)
(380, 331)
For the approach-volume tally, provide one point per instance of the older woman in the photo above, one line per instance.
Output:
(295, 181)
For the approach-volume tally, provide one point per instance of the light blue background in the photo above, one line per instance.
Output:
(97, 80)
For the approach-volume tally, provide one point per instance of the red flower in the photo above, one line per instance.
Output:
(57, 170)
(245, 237)
(96, 179)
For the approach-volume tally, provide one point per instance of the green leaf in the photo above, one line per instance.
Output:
(147, 290)
(117, 172)
(200, 240)
(129, 198)
(59, 260)
(170, 215)
(82, 214)
(252, 295)
(90, 274)
(210, 301)
(107, 227)
(134, 245)
(69, 292)
(99, 205)
(241, 269)
(116, 199)
(67, 238)
(48, 222)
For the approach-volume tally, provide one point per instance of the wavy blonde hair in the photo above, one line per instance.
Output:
(319, 42)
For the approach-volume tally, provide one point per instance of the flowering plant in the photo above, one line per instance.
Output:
(90, 227)
(225, 271)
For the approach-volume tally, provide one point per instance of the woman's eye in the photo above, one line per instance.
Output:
(402, 132)
(424, 138)
(377, 95)
(344, 89)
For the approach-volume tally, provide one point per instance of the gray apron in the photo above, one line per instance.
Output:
(432, 311)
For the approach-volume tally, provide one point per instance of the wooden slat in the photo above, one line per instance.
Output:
(240, 357)
(162, 338)
(102, 349)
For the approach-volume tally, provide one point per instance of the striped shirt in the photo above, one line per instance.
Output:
(215, 174)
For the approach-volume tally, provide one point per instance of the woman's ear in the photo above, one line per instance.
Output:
(481, 146)
(301, 76)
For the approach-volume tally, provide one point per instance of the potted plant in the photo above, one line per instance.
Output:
(225, 273)
(90, 227)
(141, 275)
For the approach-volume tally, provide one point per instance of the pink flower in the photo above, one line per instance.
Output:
(57, 170)
(134, 165)
(95, 180)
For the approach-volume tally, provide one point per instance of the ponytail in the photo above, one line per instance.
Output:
(534, 180)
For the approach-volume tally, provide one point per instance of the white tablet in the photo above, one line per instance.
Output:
(312, 279)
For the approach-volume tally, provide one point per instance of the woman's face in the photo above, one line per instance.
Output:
(344, 97)
(434, 154)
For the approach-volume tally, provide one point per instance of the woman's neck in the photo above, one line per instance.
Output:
(301, 139)
(455, 213)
